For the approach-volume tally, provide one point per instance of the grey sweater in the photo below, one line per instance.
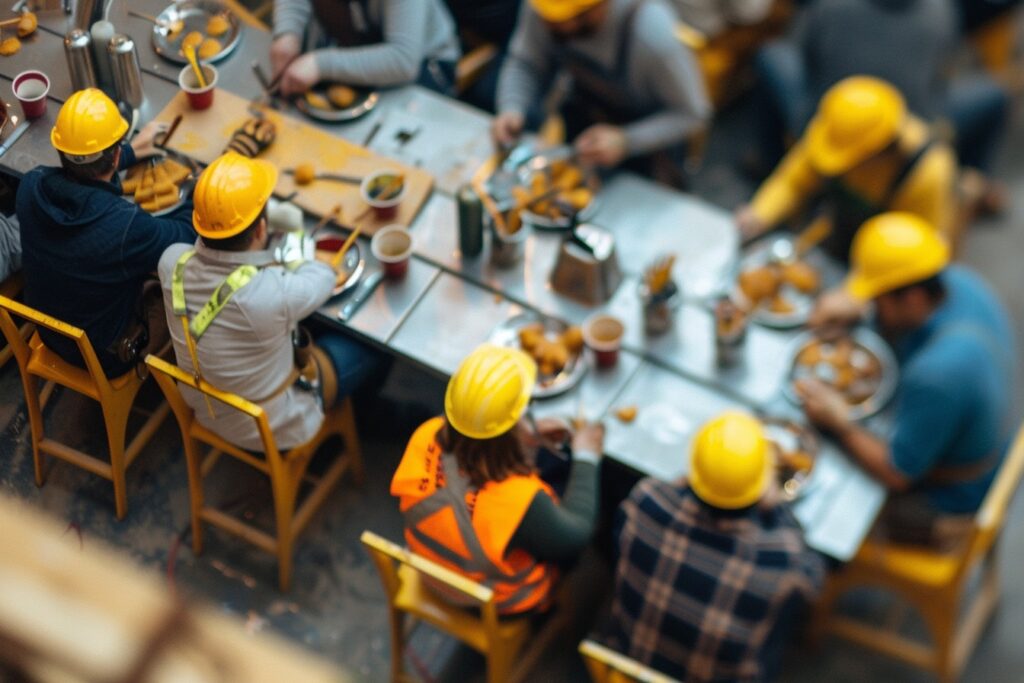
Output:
(663, 76)
(414, 31)
(909, 43)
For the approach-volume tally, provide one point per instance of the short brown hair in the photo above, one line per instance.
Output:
(485, 460)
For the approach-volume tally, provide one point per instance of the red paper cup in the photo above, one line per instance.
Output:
(198, 98)
(329, 244)
(383, 209)
(392, 246)
(602, 333)
(30, 88)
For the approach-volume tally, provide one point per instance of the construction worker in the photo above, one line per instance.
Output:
(234, 310)
(473, 496)
(955, 347)
(712, 568)
(862, 154)
(88, 254)
(369, 43)
(636, 96)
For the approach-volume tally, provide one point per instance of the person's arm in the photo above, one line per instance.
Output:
(787, 189)
(10, 246)
(145, 237)
(526, 70)
(306, 289)
(291, 17)
(929, 190)
(395, 61)
(676, 81)
(552, 532)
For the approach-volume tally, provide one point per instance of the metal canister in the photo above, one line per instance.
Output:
(102, 32)
(124, 65)
(87, 13)
(730, 332)
(78, 50)
(471, 221)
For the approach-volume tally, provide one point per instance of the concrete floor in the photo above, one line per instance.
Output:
(336, 606)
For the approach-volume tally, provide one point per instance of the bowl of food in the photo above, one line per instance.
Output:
(556, 347)
(555, 195)
(159, 186)
(859, 366)
(208, 26)
(336, 102)
(795, 450)
(777, 292)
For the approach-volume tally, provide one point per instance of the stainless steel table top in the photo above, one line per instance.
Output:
(44, 52)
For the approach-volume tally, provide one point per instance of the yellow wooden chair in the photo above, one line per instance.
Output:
(116, 397)
(508, 644)
(11, 288)
(286, 470)
(608, 666)
(932, 582)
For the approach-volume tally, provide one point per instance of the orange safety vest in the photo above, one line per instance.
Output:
(468, 530)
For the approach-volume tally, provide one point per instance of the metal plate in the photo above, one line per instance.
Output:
(295, 246)
(366, 100)
(507, 334)
(354, 264)
(867, 344)
(790, 438)
(194, 14)
(758, 256)
(184, 189)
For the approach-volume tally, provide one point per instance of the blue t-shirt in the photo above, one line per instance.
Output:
(953, 404)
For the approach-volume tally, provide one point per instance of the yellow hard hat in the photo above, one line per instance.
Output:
(87, 124)
(893, 250)
(231, 193)
(561, 10)
(729, 461)
(858, 117)
(490, 391)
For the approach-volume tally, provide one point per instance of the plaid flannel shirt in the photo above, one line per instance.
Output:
(699, 592)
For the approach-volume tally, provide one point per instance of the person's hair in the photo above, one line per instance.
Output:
(484, 460)
(239, 242)
(933, 287)
(93, 170)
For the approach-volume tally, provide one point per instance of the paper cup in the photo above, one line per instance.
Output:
(198, 98)
(30, 89)
(392, 246)
(383, 209)
(602, 333)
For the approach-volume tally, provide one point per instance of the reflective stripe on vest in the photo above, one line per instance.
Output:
(453, 495)
(239, 277)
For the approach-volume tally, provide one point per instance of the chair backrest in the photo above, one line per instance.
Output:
(992, 513)
(389, 556)
(169, 376)
(9, 307)
(608, 666)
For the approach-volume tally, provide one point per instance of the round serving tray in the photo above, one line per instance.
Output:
(194, 14)
(365, 102)
(507, 334)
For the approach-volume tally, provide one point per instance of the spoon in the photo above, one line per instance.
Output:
(190, 55)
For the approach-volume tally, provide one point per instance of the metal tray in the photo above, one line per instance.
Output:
(507, 334)
(788, 436)
(184, 190)
(759, 255)
(194, 14)
(867, 342)
(365, 102)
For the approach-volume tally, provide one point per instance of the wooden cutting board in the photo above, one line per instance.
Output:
(203, 135)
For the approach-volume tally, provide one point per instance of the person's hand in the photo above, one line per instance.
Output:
(589, 437)
(284, 49)
(750, 226)
(823, 405)
(507, 127)
(144, 142)
(601, 145)
(300, 75)
(833, 312)
(554, 429)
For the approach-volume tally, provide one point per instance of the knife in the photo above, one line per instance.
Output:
(360, 295)
(13, 137)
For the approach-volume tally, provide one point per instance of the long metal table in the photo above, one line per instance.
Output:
(448, 304)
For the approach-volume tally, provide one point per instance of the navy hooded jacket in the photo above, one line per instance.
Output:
(86, 253)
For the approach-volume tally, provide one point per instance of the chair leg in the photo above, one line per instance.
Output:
(195, 493)
(397, 620)
(117, 425)
(284, 483)
(35, 418)
(822, 610)
(499, 662)
(940, 616)
(353, 450)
